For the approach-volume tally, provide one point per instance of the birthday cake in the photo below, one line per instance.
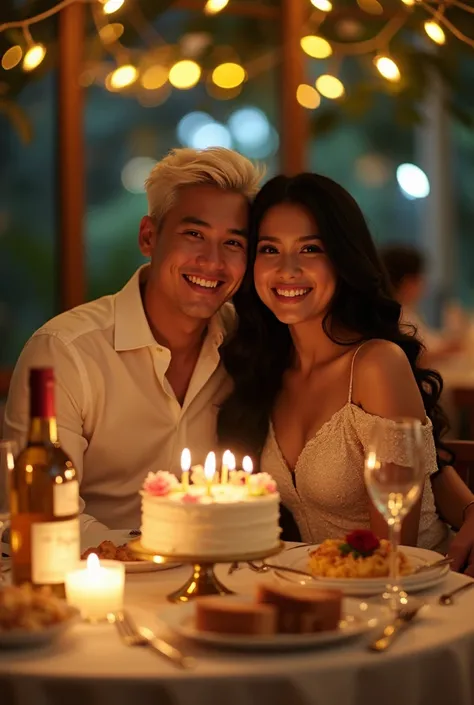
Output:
(210, 519)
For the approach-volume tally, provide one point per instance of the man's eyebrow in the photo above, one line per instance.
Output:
(194, 220)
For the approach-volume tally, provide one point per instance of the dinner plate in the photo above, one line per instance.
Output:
(358, 618)
(21, 638)
(298, 558)
(147, 566)
(119, 537)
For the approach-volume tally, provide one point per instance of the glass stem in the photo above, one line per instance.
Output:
(394, 537)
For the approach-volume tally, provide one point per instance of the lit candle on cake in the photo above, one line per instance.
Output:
(210, 470)
(96, 588)
(228, 463)
(247, 466)
(185, 467)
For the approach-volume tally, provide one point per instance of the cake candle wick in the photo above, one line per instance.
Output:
(209, 471)
(228, 463)
(247, 466)
(185, 467)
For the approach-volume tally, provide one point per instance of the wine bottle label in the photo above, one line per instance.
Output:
(54, 550)
(66, 499)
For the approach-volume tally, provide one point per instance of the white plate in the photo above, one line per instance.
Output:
(119, 537)
(359, 618)
(147, 566)
(298, 558)
(20, 638)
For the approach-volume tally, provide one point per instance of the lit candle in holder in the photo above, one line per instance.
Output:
(96, 587)
(209, 470)
(185, 467)
(228, 463)
(247, 466)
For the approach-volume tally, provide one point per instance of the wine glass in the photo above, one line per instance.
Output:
(394, 487)
(7, 462)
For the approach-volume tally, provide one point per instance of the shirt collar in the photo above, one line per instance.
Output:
(131, 326)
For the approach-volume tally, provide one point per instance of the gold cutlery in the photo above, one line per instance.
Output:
(391, 631)
(265, 567)
(447, 598)
(436, 564)
(131, 635)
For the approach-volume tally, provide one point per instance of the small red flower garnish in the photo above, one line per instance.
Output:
(361, 541)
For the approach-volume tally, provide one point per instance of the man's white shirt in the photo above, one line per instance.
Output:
(118, 417)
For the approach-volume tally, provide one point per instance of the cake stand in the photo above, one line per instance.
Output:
(203, 580)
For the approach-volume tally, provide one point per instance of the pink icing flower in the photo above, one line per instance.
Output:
(190, 499)
(160, 484)
(262, 483)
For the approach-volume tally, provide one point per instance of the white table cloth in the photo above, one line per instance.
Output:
(431, 664)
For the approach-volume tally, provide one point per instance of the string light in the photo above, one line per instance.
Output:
(212, 7)
(372, 7)
(323, 5)
(154, 77)
(330, 86)
(307, 96)
(33, 57)
(317, 47)
(387, 68)
(109, 33)
(185, 74)
(435, 32)
(228, 75)
(12, 57)
(112, 6)
(122, 77)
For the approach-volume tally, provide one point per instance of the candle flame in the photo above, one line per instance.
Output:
(93, 563)
(185, 460)
(229, 459)
(247, 464)
(210, 466)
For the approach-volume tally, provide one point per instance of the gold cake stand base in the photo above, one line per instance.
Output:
(203, 580)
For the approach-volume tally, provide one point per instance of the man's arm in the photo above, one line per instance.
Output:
(48, 350)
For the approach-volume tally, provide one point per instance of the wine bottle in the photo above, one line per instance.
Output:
(44, 497)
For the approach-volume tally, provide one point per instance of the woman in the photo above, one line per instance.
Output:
(318, 358)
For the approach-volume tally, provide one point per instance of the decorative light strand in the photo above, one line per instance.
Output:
(377, 45)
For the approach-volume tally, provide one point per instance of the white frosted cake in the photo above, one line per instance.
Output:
(237, 518)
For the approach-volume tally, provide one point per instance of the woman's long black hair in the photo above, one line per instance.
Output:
(261, 349)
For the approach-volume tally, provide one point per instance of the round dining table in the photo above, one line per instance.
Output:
(430, 663)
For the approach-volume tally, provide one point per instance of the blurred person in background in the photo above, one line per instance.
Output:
(406, 268)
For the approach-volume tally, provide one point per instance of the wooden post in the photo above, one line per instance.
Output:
(71, 170)
(294, 118)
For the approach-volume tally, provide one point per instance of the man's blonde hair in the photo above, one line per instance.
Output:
(217, 166)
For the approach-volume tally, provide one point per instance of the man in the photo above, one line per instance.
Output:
(138, 374)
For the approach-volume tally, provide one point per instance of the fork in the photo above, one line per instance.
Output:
(447, 598)
(435, 564)
(404, 617)
(265, 567)
(131, 635)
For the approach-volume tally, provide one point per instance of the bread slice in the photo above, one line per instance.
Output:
(224, 616)
(302, 610)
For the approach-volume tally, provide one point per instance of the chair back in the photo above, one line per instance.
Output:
(463, 399)
(463, 460)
